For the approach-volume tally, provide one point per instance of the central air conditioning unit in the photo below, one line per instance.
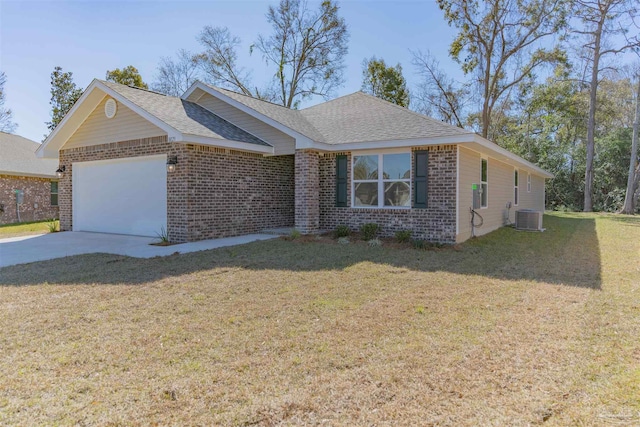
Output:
(530, 220)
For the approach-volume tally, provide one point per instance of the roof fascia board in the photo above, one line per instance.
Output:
(300, 138)
(400, 143)
(42, 151)
(485, 143)
(226, 143)
(27, 174)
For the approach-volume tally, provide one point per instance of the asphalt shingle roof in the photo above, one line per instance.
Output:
(184, 116)
(17, 157)
(361, 118)
(352, 118)
(286, 116)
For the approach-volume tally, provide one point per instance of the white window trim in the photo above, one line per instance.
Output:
(516, 187)
(528, 183)
(380, 181)
(485, 158)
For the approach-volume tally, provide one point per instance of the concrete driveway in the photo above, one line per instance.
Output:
(22, 250)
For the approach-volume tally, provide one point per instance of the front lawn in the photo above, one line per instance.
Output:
(515, 328)
(27, 228)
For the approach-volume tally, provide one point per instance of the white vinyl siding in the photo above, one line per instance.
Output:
(98, 129)
(281, 142)
(501, 191)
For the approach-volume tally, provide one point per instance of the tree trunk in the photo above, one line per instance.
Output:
(629, 199)
(591, 124)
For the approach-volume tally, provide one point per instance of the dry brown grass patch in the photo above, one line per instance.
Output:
(511, 329)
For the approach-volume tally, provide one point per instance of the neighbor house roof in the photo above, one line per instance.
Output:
(184, 116)
(18, 157)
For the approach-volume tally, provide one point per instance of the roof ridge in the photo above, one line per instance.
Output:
(248, 96)
(334, 99)
(405, 109)
(139, 88)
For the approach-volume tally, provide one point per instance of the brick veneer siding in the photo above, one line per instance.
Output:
(307, 188)
(213, 192)
(36, 204)
(436, 223)
(233, 193)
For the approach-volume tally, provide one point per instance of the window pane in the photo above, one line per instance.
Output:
(54, 199)
(515, 178)
(366, 194)
(483, 176)
(396, 166)
(365, 167)
(515, 196)
(54, 186)
(396, 194)
(483, 199)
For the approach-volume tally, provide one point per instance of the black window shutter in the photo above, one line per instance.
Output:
(341, 181)
(420, 173)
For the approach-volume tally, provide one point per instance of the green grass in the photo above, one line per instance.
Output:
(513, 328)
(25, 228)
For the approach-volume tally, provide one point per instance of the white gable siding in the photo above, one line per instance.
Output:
(281, 142)
(98, 129)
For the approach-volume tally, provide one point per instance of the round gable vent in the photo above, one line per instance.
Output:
(110, 108)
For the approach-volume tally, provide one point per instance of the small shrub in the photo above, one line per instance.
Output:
(343, 240)
(294, 234)
(342, 231)
(52, 226)
(163, 235)
(369, 231)
(374, 243)
(403, 236)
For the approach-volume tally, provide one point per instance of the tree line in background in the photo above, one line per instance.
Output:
(542, 78)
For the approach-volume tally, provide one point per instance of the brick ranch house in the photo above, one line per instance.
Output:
(215, 163)
(21, 172)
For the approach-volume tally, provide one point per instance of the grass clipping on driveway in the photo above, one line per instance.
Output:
(514, 329)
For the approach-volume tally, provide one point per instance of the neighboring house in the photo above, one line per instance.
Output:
(216, 163)
(28, 185)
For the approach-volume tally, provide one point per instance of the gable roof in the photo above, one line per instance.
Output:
(353, 118)
(360, 117)
(184, 116)
(182, 120)
(19, 158)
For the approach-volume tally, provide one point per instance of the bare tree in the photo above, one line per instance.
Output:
(175, 76)
(6, 122)
(602, 20)
(500, 44)
(219, 60)
(438, 94)
(307, 48)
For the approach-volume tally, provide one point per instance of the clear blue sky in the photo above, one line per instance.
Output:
(91, 37)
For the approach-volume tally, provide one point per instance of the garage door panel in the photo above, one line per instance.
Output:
(124, 196)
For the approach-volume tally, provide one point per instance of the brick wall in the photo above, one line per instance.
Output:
(36, 203)
(213, 192)
(435, 223)
(233, 193)
(307, 188)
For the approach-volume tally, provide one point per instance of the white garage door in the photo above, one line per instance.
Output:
(122, 196)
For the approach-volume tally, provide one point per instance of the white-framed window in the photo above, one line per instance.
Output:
(381, 180)
(484, 183)
(528, 183)
(516, 195)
